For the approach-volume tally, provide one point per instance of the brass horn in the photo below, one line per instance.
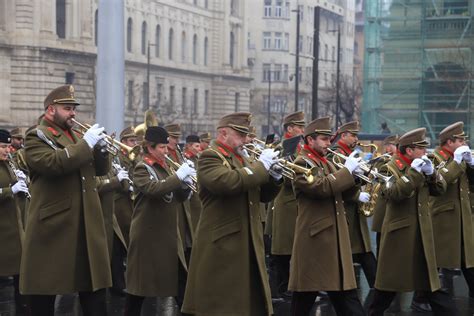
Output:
(114, 147)
(150, 120)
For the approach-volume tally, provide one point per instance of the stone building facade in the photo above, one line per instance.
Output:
(272, 42)
(197, 58)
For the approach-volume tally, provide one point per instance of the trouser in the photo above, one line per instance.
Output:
(22, 305)
(440, 301)
(119, 253)
(282, 265)
(369, 264)
(345, 303)
(92, 303)
(133, 303)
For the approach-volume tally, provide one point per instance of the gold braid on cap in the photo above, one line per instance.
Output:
(63, 100)
(239, 127)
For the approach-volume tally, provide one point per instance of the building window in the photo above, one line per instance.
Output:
(195, 2)
(145, 96)
(130, 94)
(285, 73)
(326, 52)
(237, 101)
(231, 49)
(234, 7)
(144, 38)
(159, 94)
(206, 4)
(195, 101)
(170, 44)
(267, 40)
(206, 50)
(266, 72)
(301, 12)
(195, 49)
(183, 47)
(278, 39)
(267, 11)
(300, 74)
(325, 79)
(172, 96)
(301, 43)
(287, 9)
(157, 41)
(61, 18)
(333, 54)
(277, 72)
(129, 35)
(184, 97)
(96, 29)
(287, 41)
(310, 45)
(69, 78)
(206, 101)
(279, 8)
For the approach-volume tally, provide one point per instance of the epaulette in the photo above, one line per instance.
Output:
(221, 156)
(399, 164)
(53, 131)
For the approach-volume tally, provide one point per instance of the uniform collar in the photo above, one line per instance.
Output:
(344, 147)
(314, 155)
(445, 152)
(150, 160)
(405, 159)
(57, 130)
(227, 150)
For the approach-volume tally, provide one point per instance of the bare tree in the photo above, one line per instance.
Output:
(349, 94)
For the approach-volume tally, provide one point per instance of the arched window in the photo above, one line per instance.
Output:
(144, 38)
(195, 49)
(129, 35)
(183, 47)
(96, 27)
(157, 41)
(170, 44)
(231, 49)
(61, 18)
(206, 50)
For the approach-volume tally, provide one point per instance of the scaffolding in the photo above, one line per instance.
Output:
(418, 64)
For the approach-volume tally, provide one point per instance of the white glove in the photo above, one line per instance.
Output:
(20, 175)
(93, 135)
(123, 175)
(352, 162)
(417, 164)
(275, 171)
(467, 157)
(185, 171)
(364, 197)
(428, 167)
(188, 180)
(190, 163)
(461, 152)
(268, 157)
(20, 186)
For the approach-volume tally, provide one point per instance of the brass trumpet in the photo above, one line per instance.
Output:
(289, 168)
(176, 166)
(363, 166)
(114, 147)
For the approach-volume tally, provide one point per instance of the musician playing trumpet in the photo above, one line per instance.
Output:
(155, 262)
(358, 228)
(12, 191)
(451, 212)
(407, 259)
(321, 256)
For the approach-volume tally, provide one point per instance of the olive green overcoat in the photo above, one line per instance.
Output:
(381, 202)
(124, 200)
(321, 259)
(154, 252)
(358, 228)
(407, 259)
(227, 274)
(107, 186)
(65, 247)
(451, 214)
(10, 228)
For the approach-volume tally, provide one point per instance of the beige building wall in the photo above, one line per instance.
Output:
(272, 48)
(212, 80)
